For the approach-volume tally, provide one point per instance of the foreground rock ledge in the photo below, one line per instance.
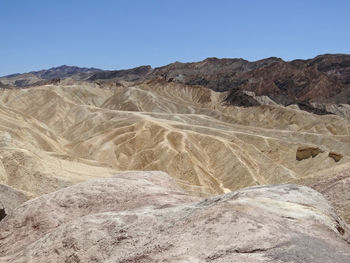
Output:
(146, 217)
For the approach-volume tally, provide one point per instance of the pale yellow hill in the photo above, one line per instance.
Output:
(54, 136)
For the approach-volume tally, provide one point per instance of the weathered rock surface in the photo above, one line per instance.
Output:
(126, 191)
(144, 217)
(334, 185)
(10, 199)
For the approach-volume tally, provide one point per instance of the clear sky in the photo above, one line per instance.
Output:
(37, 34)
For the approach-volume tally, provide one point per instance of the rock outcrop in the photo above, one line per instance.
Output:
(306, 152)
(10, 199)
(334, 184)
(127, 191)
(145, 217)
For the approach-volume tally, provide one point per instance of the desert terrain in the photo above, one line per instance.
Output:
(79, 150)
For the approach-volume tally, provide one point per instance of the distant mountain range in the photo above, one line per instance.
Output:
(63, 71)
(310, 83)
(45, 76)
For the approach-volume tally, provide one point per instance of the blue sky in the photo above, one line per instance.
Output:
(120, 34)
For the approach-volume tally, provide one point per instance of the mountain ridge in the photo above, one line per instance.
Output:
(320, 85)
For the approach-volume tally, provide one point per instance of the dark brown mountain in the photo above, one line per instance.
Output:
(63, 72)
(133, 74)
(216, 74)
(323, 79)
